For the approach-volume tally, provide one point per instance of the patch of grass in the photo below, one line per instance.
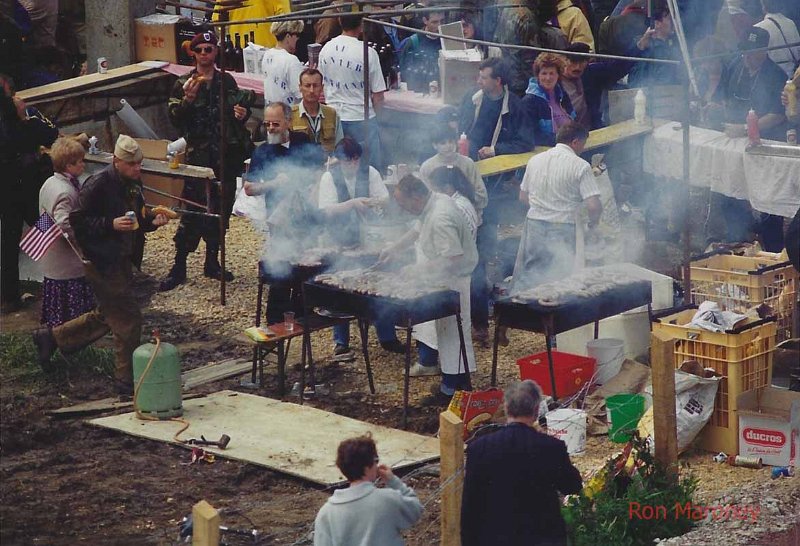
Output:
(17, 351)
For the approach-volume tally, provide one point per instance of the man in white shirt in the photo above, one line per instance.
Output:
(556, 183)
(281, 66)
(347, 190)
(446, 256)
(341, 62)
(782, 31)
(445, 142)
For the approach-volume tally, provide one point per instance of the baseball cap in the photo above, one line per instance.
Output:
(755, 38)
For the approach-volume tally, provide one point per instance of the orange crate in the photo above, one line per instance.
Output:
(742, 357)
(740, 282)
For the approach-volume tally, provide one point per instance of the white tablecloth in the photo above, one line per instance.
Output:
(771, 184)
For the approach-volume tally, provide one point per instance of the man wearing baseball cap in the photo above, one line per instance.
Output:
(754, 82)
(194, 108)
(105, 230)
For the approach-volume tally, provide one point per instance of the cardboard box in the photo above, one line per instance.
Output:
(157, 149)
(157, 37)
(769, 425)
(457, 77)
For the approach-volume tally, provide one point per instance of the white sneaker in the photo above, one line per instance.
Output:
(418, 370)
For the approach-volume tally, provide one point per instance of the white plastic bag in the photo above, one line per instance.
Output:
(694, 404)
(253, 207)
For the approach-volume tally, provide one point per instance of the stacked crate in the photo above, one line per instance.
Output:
(739, 283)
(742, 357)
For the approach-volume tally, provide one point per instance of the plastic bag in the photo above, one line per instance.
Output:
(694, 404)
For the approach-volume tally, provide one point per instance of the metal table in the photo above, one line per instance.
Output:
(405, 312)
(533, 317)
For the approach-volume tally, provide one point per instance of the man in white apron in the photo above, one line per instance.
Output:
(446, 255)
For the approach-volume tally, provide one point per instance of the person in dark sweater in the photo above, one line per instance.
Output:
(282, 170)
(546, 104)
(419, 59)
(493, 118)
(513, 479)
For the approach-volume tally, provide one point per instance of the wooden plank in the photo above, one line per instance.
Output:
(155, 166)
(215, 372)
(665, 424)
(205, 525)
(99, 90)
(99, 406)
(451, 445)
(597, 139)
(72, 85)
(297, 440)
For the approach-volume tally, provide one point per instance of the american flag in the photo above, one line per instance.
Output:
(40, 237)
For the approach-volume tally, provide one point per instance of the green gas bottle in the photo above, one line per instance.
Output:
(160, 393)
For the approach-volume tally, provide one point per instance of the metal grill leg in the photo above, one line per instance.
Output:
(407, 375)
(363, 328)
(463, 355)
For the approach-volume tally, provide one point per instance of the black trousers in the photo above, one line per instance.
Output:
(10, 235)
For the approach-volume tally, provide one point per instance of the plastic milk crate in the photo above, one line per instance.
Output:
(740, 282)
(742, 357)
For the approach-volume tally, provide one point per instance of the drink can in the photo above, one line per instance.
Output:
(791, 137)
(747, 462)
(433, 88)
(720, 457)
(102, 65)
(785, 471)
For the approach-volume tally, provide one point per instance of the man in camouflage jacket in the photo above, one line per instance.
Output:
(194, 108)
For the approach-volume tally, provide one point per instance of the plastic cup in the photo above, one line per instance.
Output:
(288, 321)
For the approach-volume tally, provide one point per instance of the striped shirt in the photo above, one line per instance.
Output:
(557, 182)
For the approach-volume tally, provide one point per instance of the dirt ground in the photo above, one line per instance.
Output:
(64, 482)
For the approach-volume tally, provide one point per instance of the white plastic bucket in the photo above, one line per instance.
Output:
(568, 425)
(609, 354)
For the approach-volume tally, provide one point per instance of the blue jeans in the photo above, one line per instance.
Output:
(384, 329)
(366, 132)
(450, 382)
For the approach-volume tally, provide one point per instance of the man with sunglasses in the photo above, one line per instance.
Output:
(283, 169)
(194, 108)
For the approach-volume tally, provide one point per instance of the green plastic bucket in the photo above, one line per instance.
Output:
(160, 393)
(625, 411)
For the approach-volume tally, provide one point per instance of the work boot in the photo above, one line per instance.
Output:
(394, 346)
(176, 275)
(480, 335)
(211, 268)
(45, 346)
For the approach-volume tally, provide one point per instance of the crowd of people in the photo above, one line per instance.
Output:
(320, 169)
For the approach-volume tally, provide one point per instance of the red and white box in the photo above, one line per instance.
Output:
(769, 425)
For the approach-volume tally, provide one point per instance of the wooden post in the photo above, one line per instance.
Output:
(665, 427)
(451, 447)
(205, 525)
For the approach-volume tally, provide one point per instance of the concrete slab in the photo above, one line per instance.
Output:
(297, 440)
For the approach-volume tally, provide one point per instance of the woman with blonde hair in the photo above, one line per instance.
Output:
(546, 103)
(280, 65)
(66, 293)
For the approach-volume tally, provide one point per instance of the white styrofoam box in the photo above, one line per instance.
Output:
(769, 425)
(631, 326)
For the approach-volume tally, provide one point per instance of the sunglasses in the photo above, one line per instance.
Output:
(208, 49)
(272, 124)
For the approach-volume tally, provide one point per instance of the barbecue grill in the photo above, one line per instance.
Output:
(550, 320)
(369, 307)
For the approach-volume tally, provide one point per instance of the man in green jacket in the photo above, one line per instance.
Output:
(194, 108)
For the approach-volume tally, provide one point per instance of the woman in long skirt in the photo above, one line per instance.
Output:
(66, 293)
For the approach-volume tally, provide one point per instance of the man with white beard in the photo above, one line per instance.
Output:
(283, 169)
